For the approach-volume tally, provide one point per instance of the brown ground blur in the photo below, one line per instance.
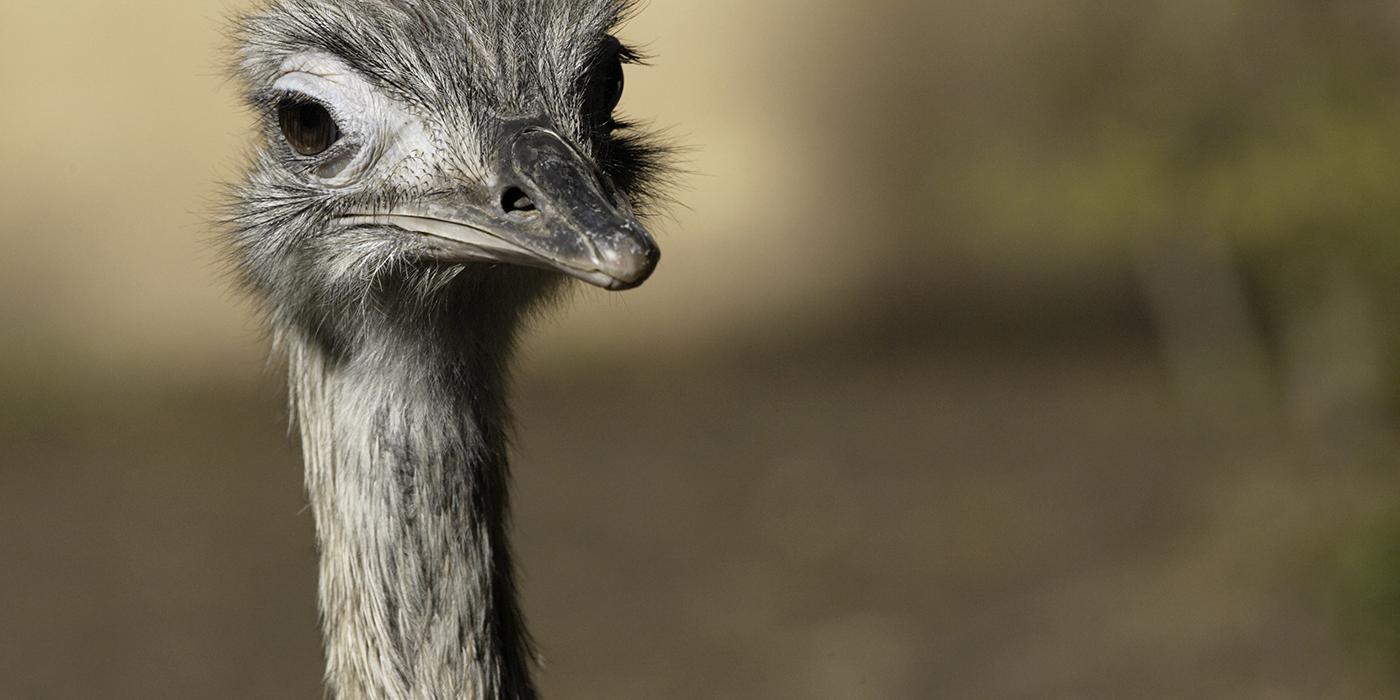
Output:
(1000, 350)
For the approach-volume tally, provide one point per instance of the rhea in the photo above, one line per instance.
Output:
(430, 172)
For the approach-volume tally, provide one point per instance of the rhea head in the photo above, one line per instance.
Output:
(431, 155)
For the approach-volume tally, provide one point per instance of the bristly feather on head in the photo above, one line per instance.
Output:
(450, 70)
(430, 170)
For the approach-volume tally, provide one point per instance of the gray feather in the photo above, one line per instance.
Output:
(397, 366)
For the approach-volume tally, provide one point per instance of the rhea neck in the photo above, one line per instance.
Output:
(404, 439)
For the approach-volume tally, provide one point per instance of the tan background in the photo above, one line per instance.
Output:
(999, 350)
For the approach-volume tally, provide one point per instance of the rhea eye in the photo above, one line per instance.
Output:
(307, 126)
(608, 80)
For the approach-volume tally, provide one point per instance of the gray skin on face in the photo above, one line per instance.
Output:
(430, 171)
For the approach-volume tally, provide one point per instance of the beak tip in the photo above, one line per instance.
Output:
(630, 271)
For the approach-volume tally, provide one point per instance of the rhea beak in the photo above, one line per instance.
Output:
(549, 209)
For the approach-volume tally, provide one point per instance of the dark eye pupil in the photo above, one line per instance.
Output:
(307, 126)
(613, 82)
(607, 82)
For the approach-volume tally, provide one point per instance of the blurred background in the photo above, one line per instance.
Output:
(1000, 350)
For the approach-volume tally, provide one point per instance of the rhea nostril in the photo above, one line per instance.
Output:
(515, 201)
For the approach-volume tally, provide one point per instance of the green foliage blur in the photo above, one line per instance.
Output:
(1267, 129)
(1264, 121)
(1273, 125)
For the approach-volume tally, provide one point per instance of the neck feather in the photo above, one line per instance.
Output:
(405, 452)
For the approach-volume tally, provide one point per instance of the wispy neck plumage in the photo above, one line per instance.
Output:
(405, 450)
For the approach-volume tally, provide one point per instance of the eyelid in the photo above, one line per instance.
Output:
(314, 87)
(328, 75)
(336, 77)
(280, 94)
